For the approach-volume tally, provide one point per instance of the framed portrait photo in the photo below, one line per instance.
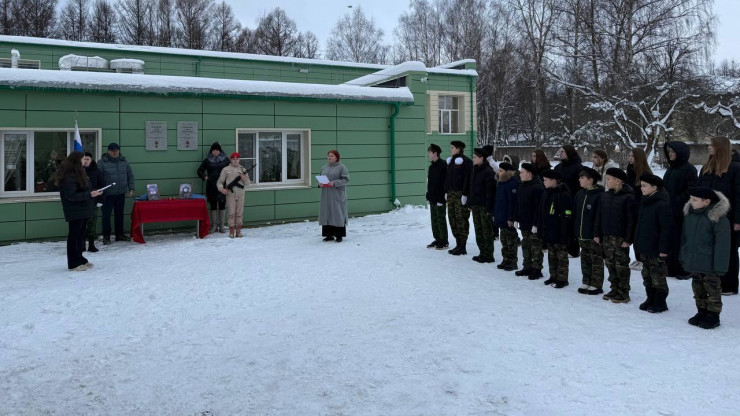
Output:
(152, 192)
(186, 191)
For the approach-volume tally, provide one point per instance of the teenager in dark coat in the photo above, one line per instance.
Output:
(722, 173)
(482, 200)
(97, 181)
(653, 240)
(554, 226)
(569, 168)
(457, 188)
(436, 176)
(678, 179)
(503, 215)
(209, 171)
(78, 203)
(528, 195)
(592, 256)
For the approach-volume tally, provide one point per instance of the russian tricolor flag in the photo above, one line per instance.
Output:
(78, 140)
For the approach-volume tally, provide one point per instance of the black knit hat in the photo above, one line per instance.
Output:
(506, 166)
(551, 174)
(590, 173)
(652, 179)
(529, 167)
(216, 146)
(488, 149)
(617, 173)
(457, 143)
(704, 192)
(434, 149)
(480, 152)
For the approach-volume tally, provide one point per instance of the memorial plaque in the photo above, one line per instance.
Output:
(156, 135)
(187, 135)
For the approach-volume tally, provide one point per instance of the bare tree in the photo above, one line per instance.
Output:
(355, 38)
(307, 46)
(134, 21)
(164, 32)
(103, 22)
(34, 17)
(74, 20)
(419, 33)
(7, 23)
(276, 34)
(192, 23)
(246, 41)
(225, 28)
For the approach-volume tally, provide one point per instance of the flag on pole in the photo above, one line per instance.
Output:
(78, 140)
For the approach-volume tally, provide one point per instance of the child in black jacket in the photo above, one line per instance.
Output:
(554, 226)
(482, 195)
(529, 192)
(436, 197)
(592, 257)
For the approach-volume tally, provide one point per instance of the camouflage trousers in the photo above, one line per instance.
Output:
(483, 224)
(617, 260)
(509, 243)
(531, 250)
(459, 216)
(654, 271)
(91, 222)
(707, 291)
(557, 257)
(592, 263)
(439, 222)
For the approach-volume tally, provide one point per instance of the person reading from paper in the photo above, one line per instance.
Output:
(333, 209)
(231, 182)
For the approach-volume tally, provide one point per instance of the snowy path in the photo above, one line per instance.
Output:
(279, 323)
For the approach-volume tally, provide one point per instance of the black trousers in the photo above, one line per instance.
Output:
(730, 280)
(76, 243)
(672, 262)
(114, 204)
(332, 231)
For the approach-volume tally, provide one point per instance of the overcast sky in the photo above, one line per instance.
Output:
(320, 16)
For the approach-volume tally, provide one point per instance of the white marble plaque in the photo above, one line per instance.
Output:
(156, 135)
(187, 135)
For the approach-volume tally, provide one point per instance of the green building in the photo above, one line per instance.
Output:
(165, 107)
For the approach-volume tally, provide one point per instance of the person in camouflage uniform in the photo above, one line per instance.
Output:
(457, 188)
(482, 194)
(436, 197)
(503, 215)
(554, 226)
(528, 196)
(705, 251)
(586, 205)
(614, 230)
(653, 241)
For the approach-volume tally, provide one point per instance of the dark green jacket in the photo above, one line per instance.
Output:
(705, 240)
(116, 169)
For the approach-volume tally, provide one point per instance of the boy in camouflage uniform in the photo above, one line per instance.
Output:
(554, 226)
(482, 194)
(614, 230)
(503, 215)
(457, 188)
(706, 226)
(653, 241)
(586, 205)
(528, 196)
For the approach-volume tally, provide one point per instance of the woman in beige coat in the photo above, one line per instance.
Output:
(234, 194)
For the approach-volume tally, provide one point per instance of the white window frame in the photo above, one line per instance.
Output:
(456, 113)
(305, 158)
(30, 156)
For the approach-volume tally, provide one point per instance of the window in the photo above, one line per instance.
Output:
(30, 159)
(274, 157)
(449, 114)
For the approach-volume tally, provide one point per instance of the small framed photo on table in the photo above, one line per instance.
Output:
(186, 191)
(152, 192)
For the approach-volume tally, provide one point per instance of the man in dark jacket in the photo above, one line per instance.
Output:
(436, 197)
(615, 230)
(116, 169)
(652, 241)
(678, 179)
(569, 168)
(97, 181)
(528, 194)
(457, 188)
(482, 195)
(554, 226)
(586, 206)
(503, 215)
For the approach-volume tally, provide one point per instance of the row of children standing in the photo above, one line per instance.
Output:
(603, 220)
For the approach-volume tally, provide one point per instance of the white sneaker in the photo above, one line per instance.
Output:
(80, 268)
(636, 265)
(89, 265)
(584, 287)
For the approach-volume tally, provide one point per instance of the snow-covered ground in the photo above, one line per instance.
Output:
(280, 323)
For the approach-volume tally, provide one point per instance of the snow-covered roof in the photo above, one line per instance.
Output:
(166, 84)
(388, 73)
(70, 61)
(212, 54)
(136, 65)
(456, 63)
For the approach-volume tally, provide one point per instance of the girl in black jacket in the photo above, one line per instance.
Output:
(678, 179)
(209, 171)
(78, 203)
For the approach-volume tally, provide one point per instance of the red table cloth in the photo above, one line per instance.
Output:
(168, 210)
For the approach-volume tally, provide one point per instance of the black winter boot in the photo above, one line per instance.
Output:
(523, 272)
(455, 249)
(91, 245)
(710, 321)
(700, 314)
(659, 304)
(535, 274)
(650, 299)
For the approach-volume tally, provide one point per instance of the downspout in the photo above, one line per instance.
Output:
(472, 111)
(396, 110)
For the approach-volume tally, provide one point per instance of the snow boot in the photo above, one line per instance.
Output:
(222, 221)
(239, 231)
(339, 239)
(329, 238)
(620, 299)
(710, 321)
(510, 267)
(106, 241)
(550, 281)
(433, 244)
(650, 299)
(594, 290)
(91, 245)
(231, 231)
(659, 304)
(213, 217)
(535, 274)
(455, 249)
(560, 284)
(442, 245)
(584, 287)
(700, 314)
(611, 294)
(525, 271)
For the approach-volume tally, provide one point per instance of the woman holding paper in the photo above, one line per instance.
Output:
(333, 210)
(78, 203)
